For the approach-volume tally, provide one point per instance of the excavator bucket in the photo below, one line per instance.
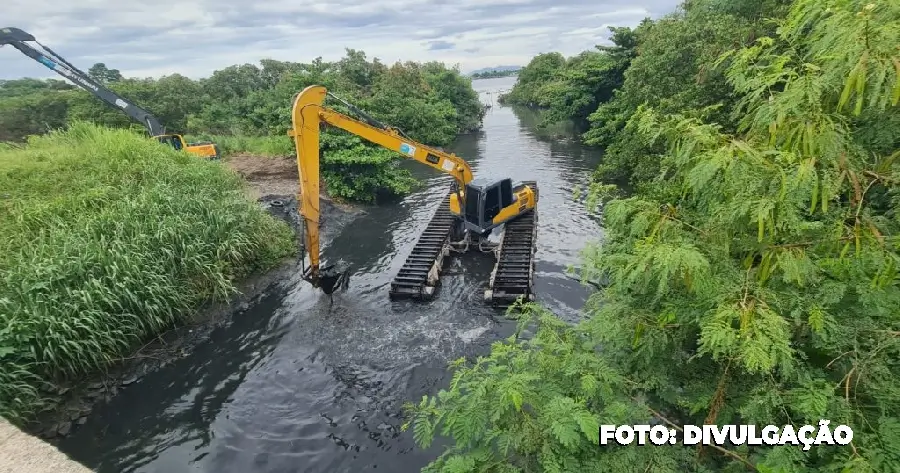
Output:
(330, 278)
(330, 283)
(10, 34)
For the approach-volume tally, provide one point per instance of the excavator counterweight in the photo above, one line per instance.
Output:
(20, 40)
(472, 209)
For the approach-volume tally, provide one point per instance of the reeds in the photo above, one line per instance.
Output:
(268, 146)
(107, 239)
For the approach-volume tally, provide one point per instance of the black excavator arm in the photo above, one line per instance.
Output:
(19, 39)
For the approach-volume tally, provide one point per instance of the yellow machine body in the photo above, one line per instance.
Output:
(202, 150)
(472, 202)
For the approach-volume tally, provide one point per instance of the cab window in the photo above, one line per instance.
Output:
(492, 203)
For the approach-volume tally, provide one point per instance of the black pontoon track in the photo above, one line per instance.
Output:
(513, 274)
(420, 274)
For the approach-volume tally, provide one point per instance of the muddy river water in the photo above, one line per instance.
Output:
(295, 384)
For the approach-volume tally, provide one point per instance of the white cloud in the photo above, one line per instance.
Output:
(194, 38)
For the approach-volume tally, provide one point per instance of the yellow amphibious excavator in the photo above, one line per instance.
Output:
(464, 220)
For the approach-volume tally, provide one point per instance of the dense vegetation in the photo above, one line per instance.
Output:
(99, 254)
(495, 73)
(600, 90)
(753, 272)
(573, 88)
(247, 107)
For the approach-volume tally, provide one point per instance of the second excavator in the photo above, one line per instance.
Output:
(464, 220)
(20, 40)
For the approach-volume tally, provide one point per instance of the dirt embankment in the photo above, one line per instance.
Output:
(278, 177)
(267, 176)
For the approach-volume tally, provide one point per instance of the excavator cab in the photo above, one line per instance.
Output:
(204, 149)
(485, 200)
(175, 141)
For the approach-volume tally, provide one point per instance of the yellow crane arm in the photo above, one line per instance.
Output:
(307, 115)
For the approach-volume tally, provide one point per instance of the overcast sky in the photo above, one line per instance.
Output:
(196, 37)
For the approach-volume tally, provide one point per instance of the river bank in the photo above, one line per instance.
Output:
(272, 182)
(20, 452)
(79, 398)
(278, 175)
(106, 240)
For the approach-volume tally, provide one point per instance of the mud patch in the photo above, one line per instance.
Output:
(277, 177)
(267, 175)
(333, 216)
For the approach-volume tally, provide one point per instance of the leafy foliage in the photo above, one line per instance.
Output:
(495, 73)
(668, 64)
(532, 78)
(573, 88)
(250, 104)
(97, 255)
(103, 74)
(676, 72)
(752, 281)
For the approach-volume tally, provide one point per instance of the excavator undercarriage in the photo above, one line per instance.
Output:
(513, 274)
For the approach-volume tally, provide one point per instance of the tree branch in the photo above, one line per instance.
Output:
(725, 451)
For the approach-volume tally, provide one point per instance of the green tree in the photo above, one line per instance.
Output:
(756, 285)
(31, 114)
(430, 102)
(450, 85)
(541, 70)
(85, 106)
(103, 74)
(27, 86)
(359, 73)
(573, 88)
(424, 116)
(675, 73)
(32, 106)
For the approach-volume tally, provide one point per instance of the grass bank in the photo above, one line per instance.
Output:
(271, 146)
(107, 239)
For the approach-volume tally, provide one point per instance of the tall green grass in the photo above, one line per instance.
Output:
(255, 145)
(107, 239)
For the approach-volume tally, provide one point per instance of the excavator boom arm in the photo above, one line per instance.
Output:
(392, 140)
(307, 115)
(19, 39)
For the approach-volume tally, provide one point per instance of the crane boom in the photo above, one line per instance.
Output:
(391, 139)
(19, 39)
(489, 206)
